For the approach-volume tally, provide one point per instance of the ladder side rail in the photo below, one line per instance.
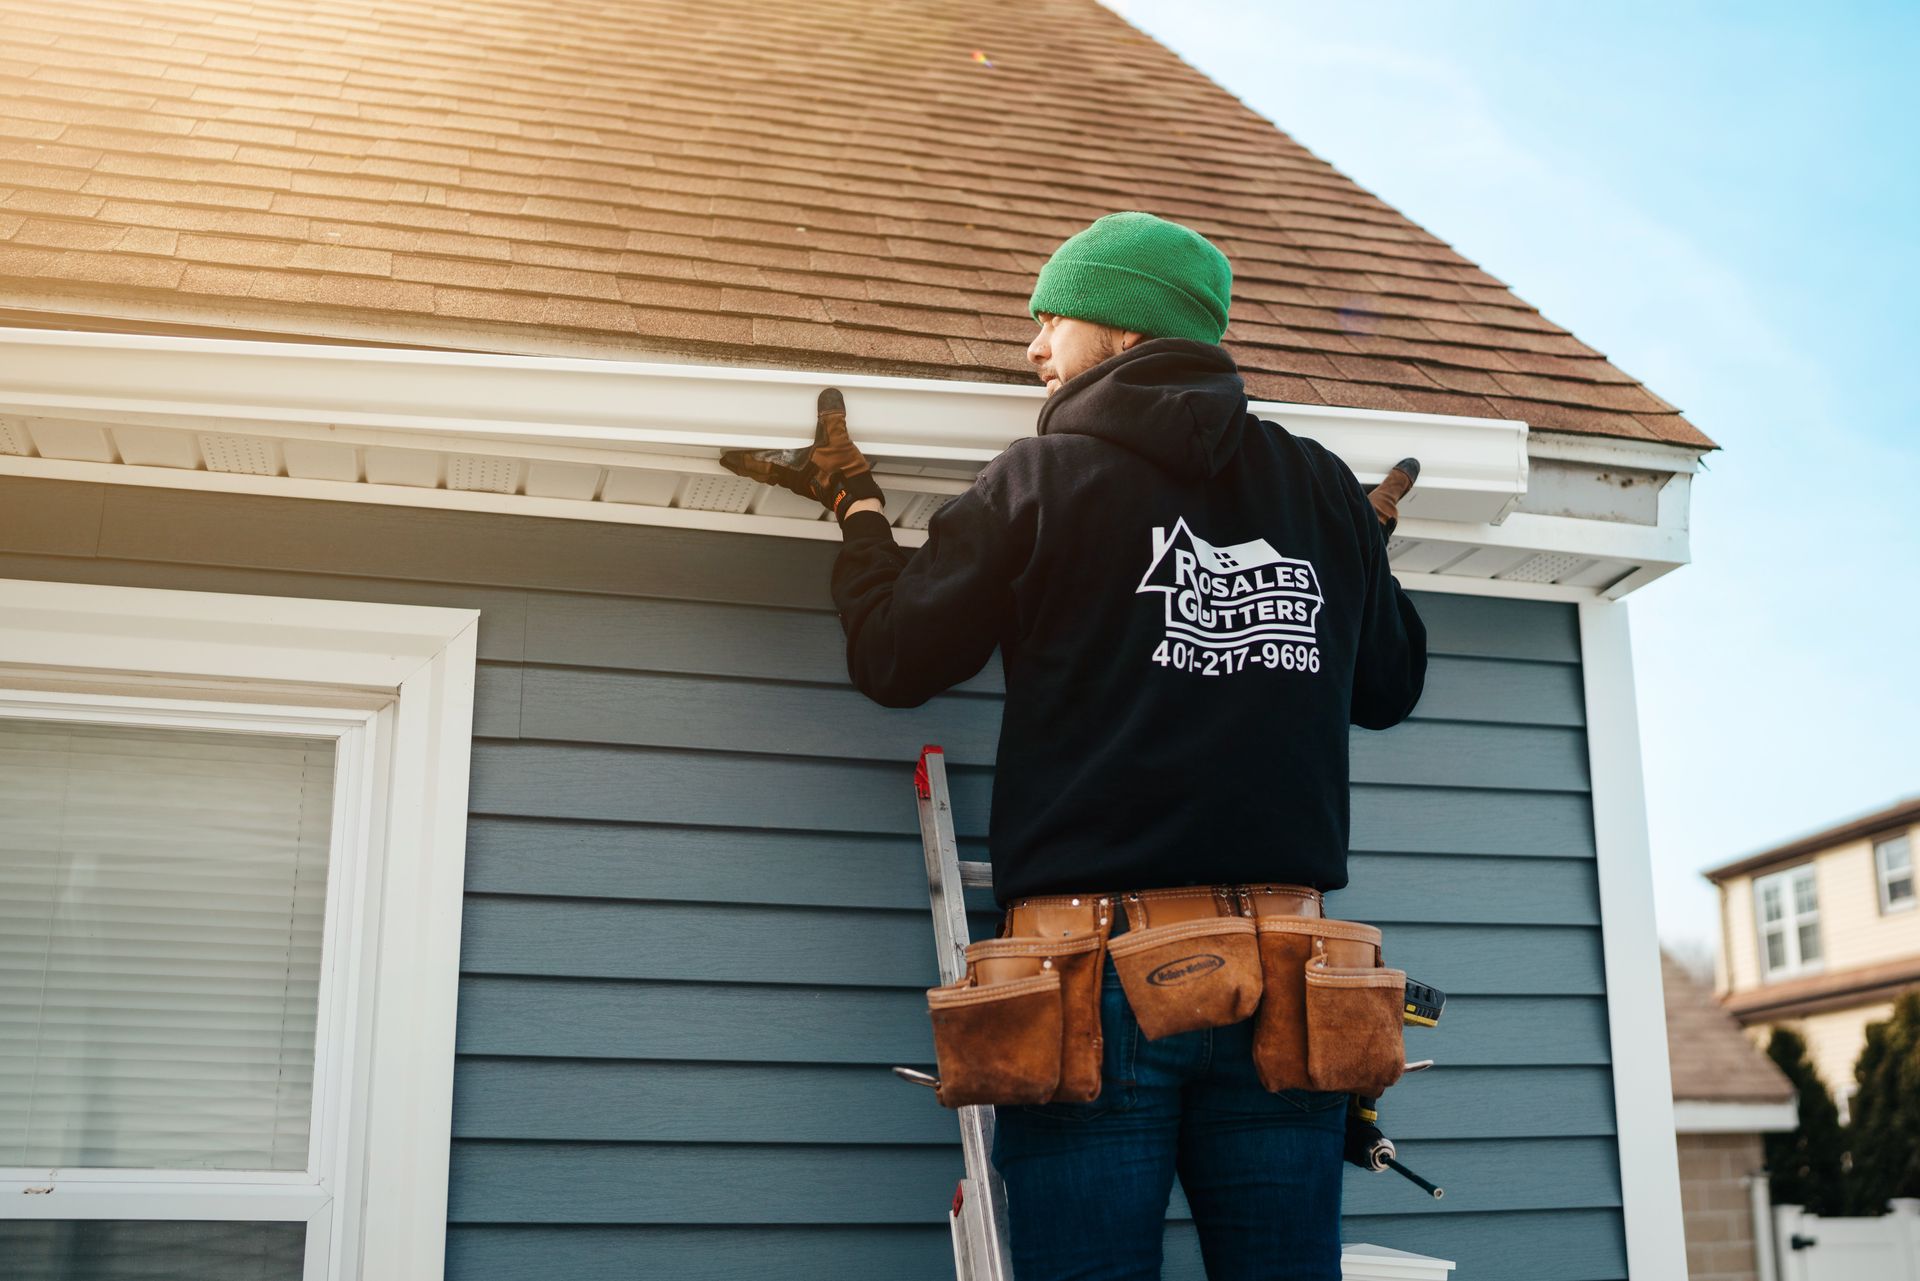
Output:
(984, 1197)
(944, 888)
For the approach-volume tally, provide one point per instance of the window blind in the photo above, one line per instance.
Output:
(162, 898)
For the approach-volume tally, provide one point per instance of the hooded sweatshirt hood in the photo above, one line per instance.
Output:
(1179, 403)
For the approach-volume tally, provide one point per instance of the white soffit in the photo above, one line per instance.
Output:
(639, 442)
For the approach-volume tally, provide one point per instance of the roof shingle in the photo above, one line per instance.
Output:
(1710, 1058)
(852, 187)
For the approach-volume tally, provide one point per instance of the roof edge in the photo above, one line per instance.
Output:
(1904, 812)
(1796, 998)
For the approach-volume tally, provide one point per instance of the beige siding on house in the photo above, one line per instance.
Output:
(1834, 1040)
(1741, 961)
(1853, 930)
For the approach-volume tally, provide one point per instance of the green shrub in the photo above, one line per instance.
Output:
(1805, 1167)
(1883, 1130)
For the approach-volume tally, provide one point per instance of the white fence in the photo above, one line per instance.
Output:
(1810, 1248)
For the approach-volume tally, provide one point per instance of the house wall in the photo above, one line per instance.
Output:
(696, 931)
(1718, 1206)
(1834, 1041)
(1854, 931)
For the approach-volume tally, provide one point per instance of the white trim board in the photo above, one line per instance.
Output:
(1700, 1116)
(403, 677)
(638, 443)
(1637, 1032)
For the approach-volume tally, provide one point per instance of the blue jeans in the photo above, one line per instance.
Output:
(1088, 1183)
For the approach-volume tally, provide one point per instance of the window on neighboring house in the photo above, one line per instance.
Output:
(1893, 864)
(1789, 921)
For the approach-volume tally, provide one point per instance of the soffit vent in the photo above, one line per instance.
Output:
(715, 493)
(919, 509)
(13, 438)
(251, 455)
(487, 475)
(1545, 567)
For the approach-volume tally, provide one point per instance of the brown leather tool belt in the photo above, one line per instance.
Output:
(1023, 1025)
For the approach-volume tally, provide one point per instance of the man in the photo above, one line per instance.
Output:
(1191, 606)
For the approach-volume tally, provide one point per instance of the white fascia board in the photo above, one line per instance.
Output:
(1614, 451)
(1699, 1116)
(1473, 469)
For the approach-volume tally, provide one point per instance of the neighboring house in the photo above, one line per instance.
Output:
(1726, 1094)
(471, 856)
(1820, 934)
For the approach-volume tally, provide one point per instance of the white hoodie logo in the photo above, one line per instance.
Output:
(1226, 606)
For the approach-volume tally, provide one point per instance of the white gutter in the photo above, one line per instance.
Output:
(638, 442)
(1474, 469)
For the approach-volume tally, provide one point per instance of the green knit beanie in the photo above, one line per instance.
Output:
(1141, 273)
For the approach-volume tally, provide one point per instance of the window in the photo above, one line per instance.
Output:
(1893, 866)
(221, 1054)
(1789, 921)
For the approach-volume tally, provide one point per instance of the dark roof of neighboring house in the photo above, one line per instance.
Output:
(1898, 815)
(1711, 1059)
(832, 184)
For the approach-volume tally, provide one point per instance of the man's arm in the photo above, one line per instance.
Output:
(921, 622)
(1390, 668)
(915, 624)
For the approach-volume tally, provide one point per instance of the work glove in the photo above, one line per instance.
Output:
(1386, 496)
(832, 471)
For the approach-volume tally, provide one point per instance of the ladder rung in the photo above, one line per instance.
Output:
(977, 874)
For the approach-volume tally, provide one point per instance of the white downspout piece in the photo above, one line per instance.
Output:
(1760, 1201)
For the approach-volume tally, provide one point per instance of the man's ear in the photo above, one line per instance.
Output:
(1129, 338)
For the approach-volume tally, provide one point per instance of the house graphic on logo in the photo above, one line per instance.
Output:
(1226, 597)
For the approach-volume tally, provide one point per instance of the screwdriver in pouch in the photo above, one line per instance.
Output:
(1366, 1146)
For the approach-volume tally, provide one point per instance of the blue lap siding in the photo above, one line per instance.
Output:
(696, 934)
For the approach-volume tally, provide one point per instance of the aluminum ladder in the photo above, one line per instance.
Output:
(978, 1216)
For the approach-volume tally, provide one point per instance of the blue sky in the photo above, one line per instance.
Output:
(1724, 199)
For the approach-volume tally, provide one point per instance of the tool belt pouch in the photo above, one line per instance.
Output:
(1077, 960)
(997, 1042)
(1024, 1026)
(1186, 974)
(1354, 1021)
(1281, 1033)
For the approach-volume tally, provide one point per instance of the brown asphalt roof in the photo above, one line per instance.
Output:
(835, 184)
(1711, 1059)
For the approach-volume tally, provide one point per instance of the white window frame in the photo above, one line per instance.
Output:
(1882, 874)
(393, 686)
(1790, 922)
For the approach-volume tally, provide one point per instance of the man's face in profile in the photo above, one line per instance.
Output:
(1065, 347)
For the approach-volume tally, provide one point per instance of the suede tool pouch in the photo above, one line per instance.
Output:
(1280, 1024)
(1354, 1036)
(997, 1042)
(1077, 960)
(1194, 974)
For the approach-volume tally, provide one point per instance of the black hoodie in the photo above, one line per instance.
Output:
(1191, 605)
